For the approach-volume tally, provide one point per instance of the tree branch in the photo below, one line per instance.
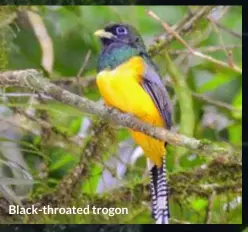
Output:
(34, 80)
(191, 50)
(223, 177)
(184, 26)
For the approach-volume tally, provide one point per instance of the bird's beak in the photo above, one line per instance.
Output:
(104, 34)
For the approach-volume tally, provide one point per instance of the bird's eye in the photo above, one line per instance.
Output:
(121, 31)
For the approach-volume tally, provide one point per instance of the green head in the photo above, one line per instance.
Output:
(120, 43)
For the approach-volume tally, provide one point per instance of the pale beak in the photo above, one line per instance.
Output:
(104, 34)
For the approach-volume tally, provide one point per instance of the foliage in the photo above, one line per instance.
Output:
(55, 138)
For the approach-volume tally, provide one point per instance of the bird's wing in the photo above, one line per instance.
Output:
(153, 85)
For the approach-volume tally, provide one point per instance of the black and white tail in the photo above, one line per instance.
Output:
(159, 192)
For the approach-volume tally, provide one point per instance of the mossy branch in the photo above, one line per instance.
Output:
(69, 188)
(35, 81)
(222, 177)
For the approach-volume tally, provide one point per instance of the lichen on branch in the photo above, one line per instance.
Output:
(34, 80)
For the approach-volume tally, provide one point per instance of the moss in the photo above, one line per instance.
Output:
(3, 43)
(7, 15)
(206, 142)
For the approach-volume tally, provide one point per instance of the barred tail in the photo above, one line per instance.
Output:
(159, 192)
(153, 181)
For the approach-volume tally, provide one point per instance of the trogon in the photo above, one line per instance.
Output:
(129, 81)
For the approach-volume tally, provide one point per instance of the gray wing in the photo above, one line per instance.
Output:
(156, 89)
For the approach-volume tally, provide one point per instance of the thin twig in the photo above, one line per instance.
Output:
(196, 53)
(215, 102)
(83, 81)
(230, 59)
(43, 96)
(184, 26)
(209, 208)
(207, 99)
(235, 34)
(218, 62)
(47, 125)
(11, 120)
(86, 60)
(205, 49)
(169, 30)
(219, 35)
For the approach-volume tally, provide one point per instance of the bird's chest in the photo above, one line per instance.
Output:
(121, 88)
(118, 88)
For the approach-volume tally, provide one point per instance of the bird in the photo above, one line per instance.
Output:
(129, 81)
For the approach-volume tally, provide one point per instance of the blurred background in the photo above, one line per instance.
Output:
(42, 140)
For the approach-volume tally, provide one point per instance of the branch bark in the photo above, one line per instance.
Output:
(34, 80)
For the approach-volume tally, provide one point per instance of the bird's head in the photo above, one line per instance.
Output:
(120, 33)
(120, 43)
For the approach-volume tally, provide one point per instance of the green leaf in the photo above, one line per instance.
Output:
(199, 204)
(65, 159)
(75, 125)
(123, 134)
(237, 103)
(235, 134)
(90, 184)
(215, 82)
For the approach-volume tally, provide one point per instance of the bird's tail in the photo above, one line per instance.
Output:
(159, 192)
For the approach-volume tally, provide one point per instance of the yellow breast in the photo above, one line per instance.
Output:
(121, 88)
